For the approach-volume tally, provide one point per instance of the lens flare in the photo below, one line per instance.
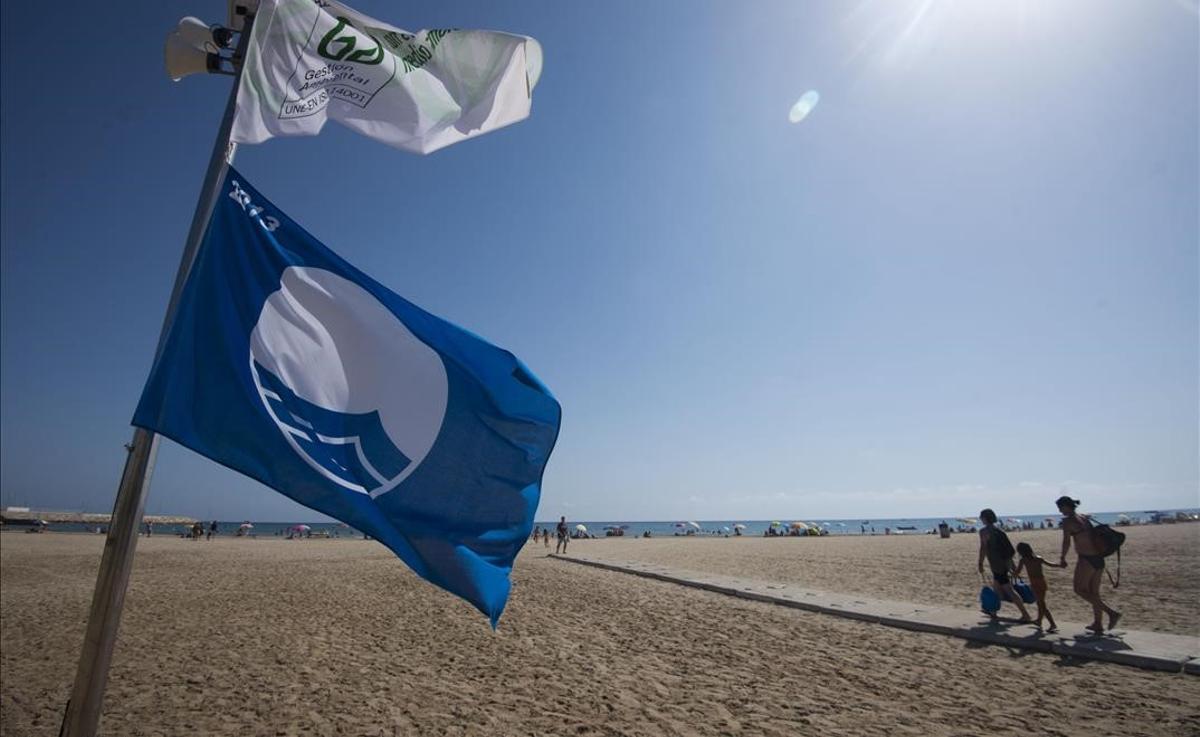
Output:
(804, 106)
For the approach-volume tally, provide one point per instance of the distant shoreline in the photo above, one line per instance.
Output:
(23, 517)
(86, 522)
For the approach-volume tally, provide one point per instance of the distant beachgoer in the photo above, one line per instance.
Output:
(197, 530)
(546, 538)
(1090, 564)
(1032, 565)
(537, 533)
(563, 536)
(149, 528)
(212, 530)
(995, 546)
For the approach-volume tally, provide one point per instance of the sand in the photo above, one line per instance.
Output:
(270, 637)
(1159, 586)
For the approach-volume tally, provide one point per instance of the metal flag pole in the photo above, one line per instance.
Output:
(82, 716)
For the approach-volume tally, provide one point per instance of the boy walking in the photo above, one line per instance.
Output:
(995, 546)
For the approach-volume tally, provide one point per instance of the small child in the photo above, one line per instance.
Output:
(1032, 565)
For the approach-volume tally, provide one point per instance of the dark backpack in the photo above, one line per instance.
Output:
(1108, 541)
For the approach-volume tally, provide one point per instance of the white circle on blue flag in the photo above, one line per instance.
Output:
(356, 394)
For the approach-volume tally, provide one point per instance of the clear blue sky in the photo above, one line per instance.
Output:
(968, 278)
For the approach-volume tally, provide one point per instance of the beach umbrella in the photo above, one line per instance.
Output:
(739, 526)
(799, 526)
(841, 524)
(694, 524)
(776, 523)
(245, 526)
(725, 529)
(302, 528)
(581, 528)
(1122, 515)
(967, 520)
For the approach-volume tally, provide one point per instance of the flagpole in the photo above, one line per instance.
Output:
(82, 716)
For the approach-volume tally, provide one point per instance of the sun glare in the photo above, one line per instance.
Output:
(894, 33)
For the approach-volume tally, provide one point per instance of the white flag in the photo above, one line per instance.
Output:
(310, 60)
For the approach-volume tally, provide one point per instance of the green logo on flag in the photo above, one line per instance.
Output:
(347, 41)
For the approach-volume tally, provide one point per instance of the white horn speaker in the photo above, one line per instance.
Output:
(183, 58)
(197, 33)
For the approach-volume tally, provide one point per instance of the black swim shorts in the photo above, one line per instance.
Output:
(1000, 576)
(1095, 561)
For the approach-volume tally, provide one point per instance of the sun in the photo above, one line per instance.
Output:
(895, 32)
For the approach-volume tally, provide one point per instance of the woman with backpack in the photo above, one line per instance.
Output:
(997, 549)
(1090, 565)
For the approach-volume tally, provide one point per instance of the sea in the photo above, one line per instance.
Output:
(669, 528)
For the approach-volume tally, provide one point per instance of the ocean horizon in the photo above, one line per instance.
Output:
(711, 527)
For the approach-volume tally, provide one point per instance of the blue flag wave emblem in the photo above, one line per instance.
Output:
(287, 364)
(355, 447)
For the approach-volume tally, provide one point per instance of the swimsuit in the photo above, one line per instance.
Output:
(1095, 561)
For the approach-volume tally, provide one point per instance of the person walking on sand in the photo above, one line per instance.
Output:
(1032, 565)
(212, 530)
(1090, 564)
(995, 546)
(546, 538)
(563, 537)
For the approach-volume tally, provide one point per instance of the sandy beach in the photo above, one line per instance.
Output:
(270, 637)
(1159, 586)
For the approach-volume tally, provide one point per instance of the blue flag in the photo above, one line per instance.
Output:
(287, 364)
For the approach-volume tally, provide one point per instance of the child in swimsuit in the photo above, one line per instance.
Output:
(1032, 565)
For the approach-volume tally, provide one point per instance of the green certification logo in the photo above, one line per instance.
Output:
(345, 45)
